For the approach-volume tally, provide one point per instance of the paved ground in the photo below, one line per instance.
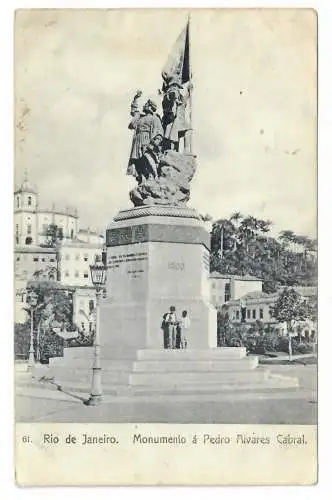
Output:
(287, 407)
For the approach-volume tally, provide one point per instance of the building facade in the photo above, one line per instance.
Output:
(226, 287)
(31, 221)
(33, 262)
(84, 309)
(74, 260)
(91, 237)
(256, 306)
(67, 262)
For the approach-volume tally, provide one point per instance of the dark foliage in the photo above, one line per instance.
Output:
(242, 245)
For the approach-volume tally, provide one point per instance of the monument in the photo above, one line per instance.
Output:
(158, 255)
(158, 251)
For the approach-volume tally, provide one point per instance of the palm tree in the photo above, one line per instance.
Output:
(287, 237)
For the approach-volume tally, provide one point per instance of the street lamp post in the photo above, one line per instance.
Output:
(98, 277)
(32, 301)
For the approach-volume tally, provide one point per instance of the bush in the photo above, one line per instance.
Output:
(51, 346)
(235, 342)
(282, 344)
(298, 347)
(260, 344)
(81, 341)
(21, 340)
(303, 348)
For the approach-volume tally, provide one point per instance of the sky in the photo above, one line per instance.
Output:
(254, 108)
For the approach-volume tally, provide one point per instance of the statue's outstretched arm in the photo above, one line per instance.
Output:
(134, 110)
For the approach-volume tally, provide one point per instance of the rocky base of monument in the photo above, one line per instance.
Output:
(172, 186)
(169, 372)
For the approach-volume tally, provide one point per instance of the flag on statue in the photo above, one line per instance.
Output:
(178, 65)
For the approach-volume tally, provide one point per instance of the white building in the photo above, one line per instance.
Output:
(256, 306)
(32, 221)
(91, 237)
(68, 262)
(225, 287)
(84, 308)
(74, 260)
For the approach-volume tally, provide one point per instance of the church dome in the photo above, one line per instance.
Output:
(26, 186)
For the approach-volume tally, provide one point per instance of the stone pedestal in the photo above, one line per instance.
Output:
(157, 257)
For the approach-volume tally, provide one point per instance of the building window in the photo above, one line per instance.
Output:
(67, 274)
(237, 314)
(91, 305)
(261, 314)
(44, 229)
(72, 233)
(213, 285)
(18, 259)
(43, 260)
(51, 260)
(227, 292)
(29, 229)
(29, 201)
(86, 256)
(67, 257)
(77, 256)
(254, 314)
(28, 240)
(86, 274)
(35, 259)
(77, 274)
(18, 201)
(248, 313)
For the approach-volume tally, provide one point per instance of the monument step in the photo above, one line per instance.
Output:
(219, 353)
(84, 375)
(87, 363)
(199, 391)
(216, 388)
(234, 365)
(178, 378)
(107, 352)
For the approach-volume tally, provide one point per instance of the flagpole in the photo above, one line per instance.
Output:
(190, 90)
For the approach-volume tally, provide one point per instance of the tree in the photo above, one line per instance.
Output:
(290, 308)
(54, 235)
(241, 245)
(224, 328)
(54, 304)
(49, 273)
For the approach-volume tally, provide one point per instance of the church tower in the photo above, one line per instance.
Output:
(25, 213)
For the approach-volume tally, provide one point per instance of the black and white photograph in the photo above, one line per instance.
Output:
(165, 233)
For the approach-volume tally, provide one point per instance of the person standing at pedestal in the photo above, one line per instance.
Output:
(170, 325)
(183, 327)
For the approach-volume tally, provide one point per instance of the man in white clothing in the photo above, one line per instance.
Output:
(183, 326)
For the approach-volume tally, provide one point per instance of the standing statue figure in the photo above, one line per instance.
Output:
(176, 123)
(147, 126)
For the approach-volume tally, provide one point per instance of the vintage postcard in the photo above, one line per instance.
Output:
(165, 247)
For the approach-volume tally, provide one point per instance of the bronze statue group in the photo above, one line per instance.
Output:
(175, 329)
(154, 134)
